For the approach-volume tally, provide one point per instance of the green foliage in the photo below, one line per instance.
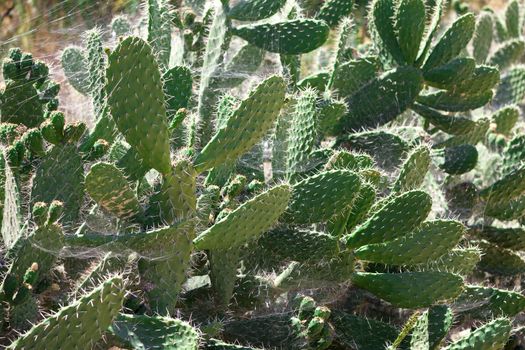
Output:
(379, 171)
(280, 37)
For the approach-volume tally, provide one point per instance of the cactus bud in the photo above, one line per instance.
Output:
(31, 275)
(56, 209)
(73, 132)
(322, 312)
(34, 142)
(306, 308)
(40, 213)
(50, 134)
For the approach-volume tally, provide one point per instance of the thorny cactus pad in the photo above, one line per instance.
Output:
(267, 174)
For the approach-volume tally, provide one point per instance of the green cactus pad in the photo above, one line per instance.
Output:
(361, 206)
(452, 42)
(106, 184)
(461, 261)
(430, 241)
(485, 302)
(218, 41)
(414, 170)
(482, 40)
(11, 206)
(247, 222)
(431, 328)
(302, 134)
(499, 194)
(513, 154)
(349, 161)
(246, 126)
(362, 333)
(410, 289)
(511, 89)
(121, 26)
(434, 13)
(398, 217)
(454, 125)
(223, 274)
(164, 274)
(74, 63)
(508, 238)
(281, 37)
(513, 21)
(505, 119)
(177, 88)
(333, 11)
(410, 25)
(102, 304)
(136, 98)
(491, 336)
(383, 99)
(450, 74)
(147, 332)
(382, 29)
(298, 245)
(473, 136)
(483, 78)
(361, 71)
(320, 197)
(96, 60)
(60, 176)
(457, 160)
(255, 10)
(178, 200)
(506, 55)
(20, 104)
(159, 30)
(503, 262)
(452, 102)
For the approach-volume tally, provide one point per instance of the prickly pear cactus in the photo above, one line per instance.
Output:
(268, 174)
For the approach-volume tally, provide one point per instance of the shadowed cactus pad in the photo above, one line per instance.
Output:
(484, 302)
(411, 289)
(382, 99)
(299, 245)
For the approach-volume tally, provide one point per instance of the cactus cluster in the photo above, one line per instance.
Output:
(304, 175)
